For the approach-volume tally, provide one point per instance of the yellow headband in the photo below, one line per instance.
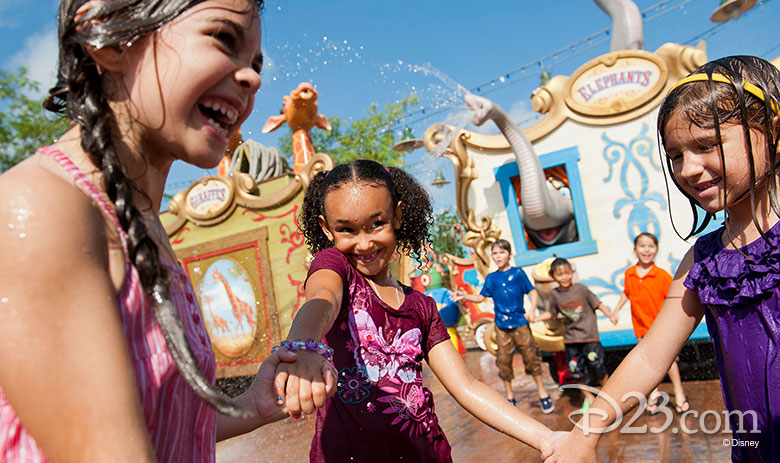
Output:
(747, 86)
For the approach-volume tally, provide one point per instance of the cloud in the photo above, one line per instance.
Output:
(39, 55)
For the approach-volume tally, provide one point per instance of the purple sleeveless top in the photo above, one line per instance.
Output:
(742, 309)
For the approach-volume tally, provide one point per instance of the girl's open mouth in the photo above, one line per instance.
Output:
(218, 115)
(367, 259)
(708, 189)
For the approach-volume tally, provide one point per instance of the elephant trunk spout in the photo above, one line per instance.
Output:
(547, 214)
(627, 33)
(542, 207)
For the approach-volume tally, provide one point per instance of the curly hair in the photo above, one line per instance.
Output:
(79, 92)
(709, 104)
(415, 203)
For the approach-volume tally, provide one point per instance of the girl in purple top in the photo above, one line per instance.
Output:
(354, 219)
(719, 127)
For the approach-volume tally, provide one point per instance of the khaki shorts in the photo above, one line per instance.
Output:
(522, 339)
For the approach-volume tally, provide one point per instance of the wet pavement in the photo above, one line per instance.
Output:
(663, 438)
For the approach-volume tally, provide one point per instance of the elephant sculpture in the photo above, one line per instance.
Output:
(547, 212)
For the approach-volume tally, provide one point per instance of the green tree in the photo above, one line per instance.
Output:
(446, 234)
(24, 125)
(367, 138)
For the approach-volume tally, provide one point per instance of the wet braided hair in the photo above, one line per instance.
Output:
(709, 104)
(415, 203)
(79, 93)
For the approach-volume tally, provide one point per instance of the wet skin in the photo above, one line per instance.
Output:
(697, 166)
(361, 221)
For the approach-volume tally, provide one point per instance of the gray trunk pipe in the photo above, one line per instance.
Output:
(627, 33)
(542, 206)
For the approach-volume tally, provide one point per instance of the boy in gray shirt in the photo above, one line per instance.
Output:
(576, 306)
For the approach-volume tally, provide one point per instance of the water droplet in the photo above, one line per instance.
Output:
(4, 300)
(502, 79)
(11, 226)
(22, 235)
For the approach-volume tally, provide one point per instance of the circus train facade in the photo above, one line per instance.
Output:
(597, 141)
(239, 243)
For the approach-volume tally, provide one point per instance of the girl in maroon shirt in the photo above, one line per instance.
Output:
(354, 218)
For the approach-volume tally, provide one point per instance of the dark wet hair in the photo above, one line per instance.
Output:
(648, 235)
(417, 215)
(557, 263)
(709, 104)
(79, 92)
(503, 244)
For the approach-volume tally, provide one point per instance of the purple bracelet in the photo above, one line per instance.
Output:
(309, 344)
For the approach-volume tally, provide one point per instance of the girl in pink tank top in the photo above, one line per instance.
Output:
(105, 355)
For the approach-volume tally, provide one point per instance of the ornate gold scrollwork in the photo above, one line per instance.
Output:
(243, 191)
(480, 233)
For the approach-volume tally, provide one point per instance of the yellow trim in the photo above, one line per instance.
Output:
(750, 88)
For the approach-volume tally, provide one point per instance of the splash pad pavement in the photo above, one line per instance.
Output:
(667, 437)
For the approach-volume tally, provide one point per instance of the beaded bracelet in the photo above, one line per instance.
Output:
(309, 344)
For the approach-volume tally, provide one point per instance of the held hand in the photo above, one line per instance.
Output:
(456, 296)
(262, 393)
(306, 384)
(530, 317)
(613, 318)
(566, 447)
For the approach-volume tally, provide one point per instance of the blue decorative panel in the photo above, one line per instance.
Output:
(524, 256)
(636, 197)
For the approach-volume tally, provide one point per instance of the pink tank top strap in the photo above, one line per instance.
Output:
(90, 189)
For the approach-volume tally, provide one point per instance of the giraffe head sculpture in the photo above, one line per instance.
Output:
(300, 112)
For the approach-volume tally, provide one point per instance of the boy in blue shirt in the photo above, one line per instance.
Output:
(508, 286)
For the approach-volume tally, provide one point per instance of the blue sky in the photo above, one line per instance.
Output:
(362, 52)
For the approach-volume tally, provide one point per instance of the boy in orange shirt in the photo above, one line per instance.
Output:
(646, 286)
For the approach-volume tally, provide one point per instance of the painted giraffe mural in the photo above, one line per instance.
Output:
(300, 112)
(240, 308)
(218, 322)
